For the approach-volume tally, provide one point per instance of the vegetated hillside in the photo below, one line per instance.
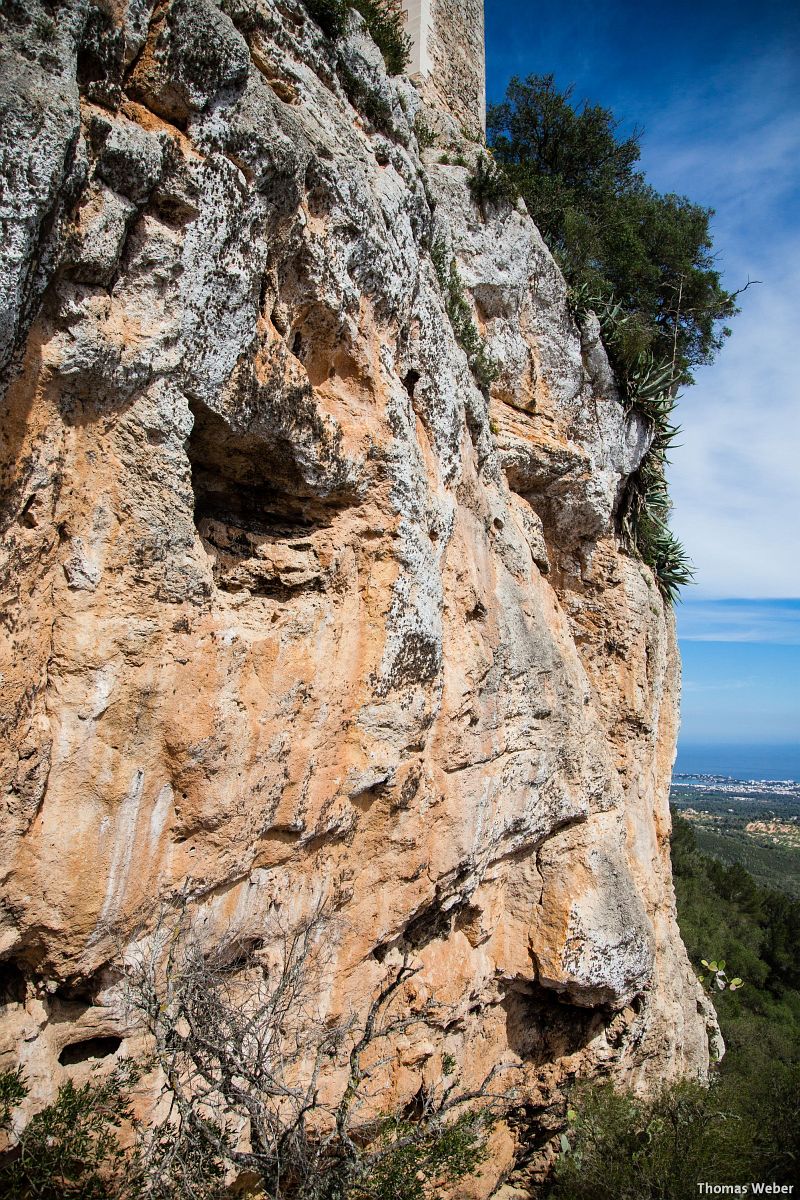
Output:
(746, 1126)
(724, 914)
(756, 825)
(773, 866)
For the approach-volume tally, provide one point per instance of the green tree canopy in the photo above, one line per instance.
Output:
(607, 227)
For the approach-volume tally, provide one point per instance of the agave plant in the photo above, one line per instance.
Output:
(649, 387)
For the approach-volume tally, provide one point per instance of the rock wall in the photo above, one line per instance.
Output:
(292, 610)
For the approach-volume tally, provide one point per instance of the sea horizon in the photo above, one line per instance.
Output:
(739, 760)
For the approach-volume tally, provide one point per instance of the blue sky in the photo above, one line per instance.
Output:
(716, 87)
(741, 666)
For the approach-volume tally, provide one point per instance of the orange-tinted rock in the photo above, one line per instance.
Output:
(293, 610)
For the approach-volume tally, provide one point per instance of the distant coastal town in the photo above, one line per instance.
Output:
(754, 822)
(739, 787)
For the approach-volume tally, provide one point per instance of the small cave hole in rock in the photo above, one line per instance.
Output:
(297, 345)
(410, 382)
(252, 506)
(415, 1109)
(12, 983)
(78, 998)
(240, 955)
(89, 1048)
(380, 951)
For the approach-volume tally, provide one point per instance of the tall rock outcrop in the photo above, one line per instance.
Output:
(292, 609)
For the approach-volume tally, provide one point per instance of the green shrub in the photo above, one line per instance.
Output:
(723, 911)
(660, 549)
(13, 1090)
(330, 15)
(620, 1147)
(384, 23)
(387, 30)
(483, 366)
(423, 132)
(411, 1162)
(490, 186)
(69, 1150)
(46, 28)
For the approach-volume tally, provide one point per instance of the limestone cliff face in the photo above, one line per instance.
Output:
(291, 609)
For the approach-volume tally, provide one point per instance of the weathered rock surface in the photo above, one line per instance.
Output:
(291, 609)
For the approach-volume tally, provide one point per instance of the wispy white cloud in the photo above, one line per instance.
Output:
(773, 622)
(695, 686)
(735, 478)
(729, 134)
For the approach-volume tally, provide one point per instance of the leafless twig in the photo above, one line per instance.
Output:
(250, 1063)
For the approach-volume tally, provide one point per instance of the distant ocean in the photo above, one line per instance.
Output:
(740, 761)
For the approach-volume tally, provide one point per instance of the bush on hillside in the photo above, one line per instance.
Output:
(621, 1147)
(69, 1150)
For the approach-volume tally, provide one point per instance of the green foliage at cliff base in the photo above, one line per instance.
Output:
(746, 1125)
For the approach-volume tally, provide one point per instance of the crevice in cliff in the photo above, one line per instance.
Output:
(543, 1026)
(12, 983)
(432, 921)
(410, 381)
(254, 511)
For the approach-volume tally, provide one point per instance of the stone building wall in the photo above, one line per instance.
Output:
(449, 55)
(418, 22)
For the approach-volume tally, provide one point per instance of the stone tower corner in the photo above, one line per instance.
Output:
(449, 57)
